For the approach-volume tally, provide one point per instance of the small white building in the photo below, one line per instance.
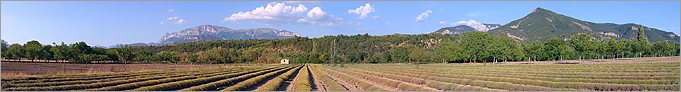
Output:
(284, 61)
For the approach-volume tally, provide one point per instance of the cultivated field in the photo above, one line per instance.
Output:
(24, 69)
(648, 76)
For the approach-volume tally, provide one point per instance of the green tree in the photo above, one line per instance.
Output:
(401, 53)
(642, 45)
(534, 50)
(16, 51)
(81, 48)
(379, 57)
(167, 56)
(217, 55)
(557, 49)
(664, 48)
(188, 58)
(33, 50)
(617, 48)
(504, 48)
(124, 53)
(584, 45)
(205, 57)
(142, 55)
(476, 44)
(3, 48)
(87, 58)
(446, 51)
(47, 53)
(417, 56)
(61, 52)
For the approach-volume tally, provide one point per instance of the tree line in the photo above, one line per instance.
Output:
(361, 48)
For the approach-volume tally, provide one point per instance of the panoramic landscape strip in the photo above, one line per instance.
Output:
(339, 46)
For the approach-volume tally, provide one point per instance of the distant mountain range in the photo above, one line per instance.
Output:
(460, 29)
(543, 24)
(540, 24)
(212, 32)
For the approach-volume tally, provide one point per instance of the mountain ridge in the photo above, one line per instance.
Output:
(542, 24)
(460, 29)
(213, 32)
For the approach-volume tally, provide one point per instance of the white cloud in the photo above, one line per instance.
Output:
(172, 18)
(444, 22)
(474, 24)
(281, 13)
(175, 19)
(317, 16)
(273, 12)
(179, 21)
(316, 13)
(421, 17)
(329, 24)
(375, 17)
(362, 11)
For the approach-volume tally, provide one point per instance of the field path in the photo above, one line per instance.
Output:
(292, 84)
(401, 82)
(346, 85)
(367, 81)
(318, 83)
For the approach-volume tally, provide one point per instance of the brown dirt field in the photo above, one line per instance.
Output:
(23, 69)
(320, 86)
(607, 61)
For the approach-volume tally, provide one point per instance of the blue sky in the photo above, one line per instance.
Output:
(109, 23)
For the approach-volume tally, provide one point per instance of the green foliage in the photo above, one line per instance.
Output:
(505, 48)
(15, 51)
(477, 45)
(217, 55)
(542, 24)
(123, 53)
(33, 50)
(641, 46)
(446, 51)
(86, 58)
(61, 52)
(167, 57)
(362, 48)
(3, 48)
(400, 54)
(535, 50)
(556, 49)
(484, 47)
(588, 47)
(617, 48)
(664, 48)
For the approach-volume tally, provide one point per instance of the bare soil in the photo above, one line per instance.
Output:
(605, 61)
(315, 79)
(346, 85)
(24, 69)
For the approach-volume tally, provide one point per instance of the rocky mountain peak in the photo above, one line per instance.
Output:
(213, 32)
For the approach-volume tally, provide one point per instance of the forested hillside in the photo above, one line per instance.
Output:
(542, 24)
(397, 48)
